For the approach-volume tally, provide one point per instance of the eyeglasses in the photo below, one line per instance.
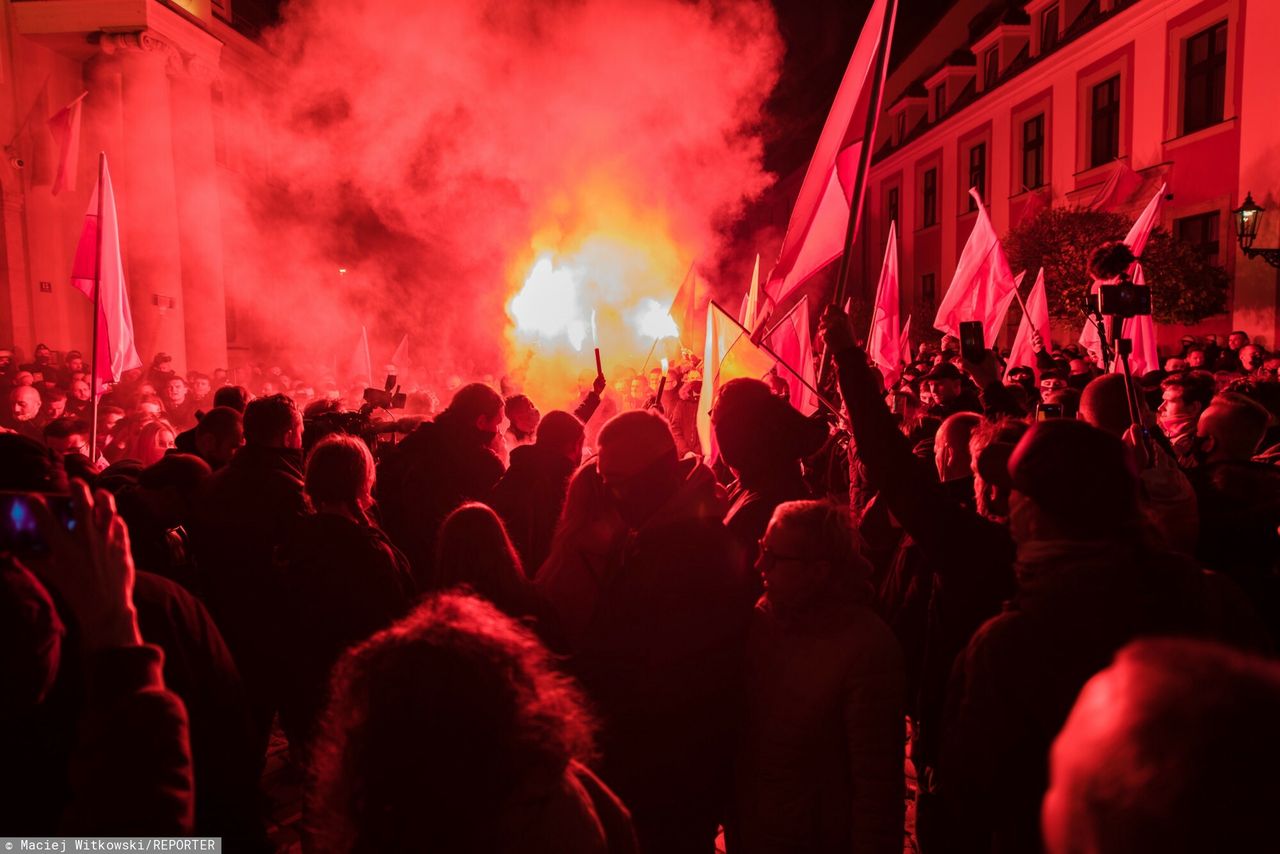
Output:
(768, 555)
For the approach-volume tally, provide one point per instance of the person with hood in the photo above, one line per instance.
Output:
(660, 652)
(439, 466)
(1089, 580)
(530, 496)
(762, 438)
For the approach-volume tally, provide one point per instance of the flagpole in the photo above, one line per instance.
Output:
(864, 155)
(97, 308)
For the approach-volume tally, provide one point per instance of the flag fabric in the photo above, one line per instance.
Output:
(816, 231)
(983, 285)
(904, 342)
(751, 300)
(687, 308)
(1116, 190)
(116, 351)
(65, 127)
(790, 340)
(1034, 319)
(400, 358)
(884, 341)
(1142, 330)
(361, 365)
(729, 354)
(1036, 203)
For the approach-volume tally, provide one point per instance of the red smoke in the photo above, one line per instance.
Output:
(437, 149)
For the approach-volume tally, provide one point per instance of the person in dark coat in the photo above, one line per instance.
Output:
(660, 653)
(762, 439)
(439, 466)
(951, 391)
(820, 764)
(531, 493)
(244, 513)
(1088, 583)
(343, 581)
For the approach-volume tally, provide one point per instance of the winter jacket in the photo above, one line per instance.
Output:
(529, 498)
(820, 764)
(660, 659)
(1077, 604)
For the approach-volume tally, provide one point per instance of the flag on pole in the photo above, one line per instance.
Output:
(1034, 319)
(904, 342)
(983, 285)
(687, 307)
(98, 261)
(1116, 190)
(790, 339)
(816, 232)
(65, 127)
(361, 365)
(884, 341)
(400, 358)
(729, 354)
(751, 301)
(1142, 330)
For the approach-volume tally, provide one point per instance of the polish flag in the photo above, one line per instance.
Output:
(1142, 330)
(361, 365)
(730, 353)
(1034, 319)
(400, 358)
(884, 341)
(65, 127)
(1116, 190)
(98, 273)
(983, 286)
(790, 340)
(816, 232)
(687, 308)
(904, 342)
(751, 300)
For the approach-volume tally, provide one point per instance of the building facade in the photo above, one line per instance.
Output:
(160, 82)
(1047, 101)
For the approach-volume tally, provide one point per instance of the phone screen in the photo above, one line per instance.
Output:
(19, 525)
(972, 345)
(1045, 411)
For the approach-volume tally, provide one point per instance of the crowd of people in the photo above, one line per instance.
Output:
(486, 628)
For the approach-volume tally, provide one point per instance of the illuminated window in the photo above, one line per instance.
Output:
(1204, 85)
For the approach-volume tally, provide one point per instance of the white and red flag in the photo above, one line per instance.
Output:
(790, 340)
(884, 341)
(400, 358)
(751, 299)
(983, 286)
(98, 273)
(361, 365)
(1122, 183)
(904, 342)
(1035, 318)
(730, 353)
(687, 308)
(816, 232)
(65, 127)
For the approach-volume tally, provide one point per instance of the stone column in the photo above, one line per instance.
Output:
(143, 178)
(199, 215)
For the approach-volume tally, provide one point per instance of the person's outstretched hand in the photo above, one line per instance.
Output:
(836, 329)
(600, 384)
(1037, 343)
(91, 568)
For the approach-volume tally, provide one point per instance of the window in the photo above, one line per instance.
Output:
(1201, 231)
(1049, 29)
(990, 68)
(1205, 84)
(891, 205)
(1033, 152)
(1105, 128)
(939, 101)
(929, 290)
(978, 172)
(929, 201)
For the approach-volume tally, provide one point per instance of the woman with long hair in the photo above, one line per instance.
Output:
(451, 731)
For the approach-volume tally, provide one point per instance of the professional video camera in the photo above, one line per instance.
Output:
(1123, 299)
(360, 422)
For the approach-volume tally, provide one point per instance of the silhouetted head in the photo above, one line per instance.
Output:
(473, 549)
(340, 473)
(562, 433)
(638, 464)
(759, 432)
(273, 422)
(1149, 762)
(811, 557)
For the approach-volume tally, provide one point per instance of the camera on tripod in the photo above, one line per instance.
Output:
(1123, 299)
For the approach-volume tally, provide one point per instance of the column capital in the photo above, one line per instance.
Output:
(177, 62)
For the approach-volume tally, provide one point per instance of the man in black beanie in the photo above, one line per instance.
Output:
(1089, 580)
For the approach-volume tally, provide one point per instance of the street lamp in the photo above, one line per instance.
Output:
(1247, 217)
